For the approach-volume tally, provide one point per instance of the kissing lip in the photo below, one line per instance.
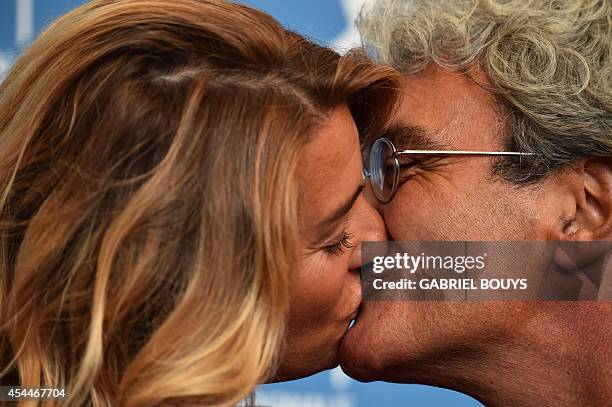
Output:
(353, 318)
(357, 312)
(356, 299)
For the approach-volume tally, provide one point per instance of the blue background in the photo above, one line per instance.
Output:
(328, 22)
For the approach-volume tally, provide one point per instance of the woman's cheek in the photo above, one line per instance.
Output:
(328, 286)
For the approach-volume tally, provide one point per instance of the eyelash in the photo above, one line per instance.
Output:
(341, 246)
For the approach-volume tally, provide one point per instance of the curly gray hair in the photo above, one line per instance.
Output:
(549, 62)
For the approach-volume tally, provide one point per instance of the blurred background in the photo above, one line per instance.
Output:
(328, 22)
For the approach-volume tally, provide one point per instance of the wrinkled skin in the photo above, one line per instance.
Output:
(503, 353)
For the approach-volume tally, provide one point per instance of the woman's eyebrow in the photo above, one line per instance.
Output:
(338, 213)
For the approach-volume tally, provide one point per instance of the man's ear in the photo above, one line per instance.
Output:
(594, 210)
(589, 201)
(586, 209)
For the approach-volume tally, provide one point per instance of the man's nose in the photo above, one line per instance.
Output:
(369, 226)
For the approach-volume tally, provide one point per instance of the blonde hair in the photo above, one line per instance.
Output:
(549, 63)
(148, 155)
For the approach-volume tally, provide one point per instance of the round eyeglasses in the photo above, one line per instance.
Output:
(383, 165)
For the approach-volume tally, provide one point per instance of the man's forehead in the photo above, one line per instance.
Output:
(442, 109)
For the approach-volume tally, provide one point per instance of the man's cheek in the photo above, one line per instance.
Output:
(410, 222)
(397, 219)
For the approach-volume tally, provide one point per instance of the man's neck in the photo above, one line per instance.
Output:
(561, 362)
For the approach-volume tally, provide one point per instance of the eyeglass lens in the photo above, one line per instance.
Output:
(383, 170)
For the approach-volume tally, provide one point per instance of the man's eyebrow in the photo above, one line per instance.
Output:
(413, 137)
(342, 210)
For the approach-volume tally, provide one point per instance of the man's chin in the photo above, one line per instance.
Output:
(358, 351)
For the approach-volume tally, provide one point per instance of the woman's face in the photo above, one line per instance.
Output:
(334, 218)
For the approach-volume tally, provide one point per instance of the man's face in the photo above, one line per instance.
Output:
(449, 199)
(456, 198)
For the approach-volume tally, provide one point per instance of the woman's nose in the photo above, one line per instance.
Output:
(369, 195)
(368, 226)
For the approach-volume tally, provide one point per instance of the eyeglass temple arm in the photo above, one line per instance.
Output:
(446, 152)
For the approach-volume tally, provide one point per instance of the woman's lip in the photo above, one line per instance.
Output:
(353, 318)
(355, 313)
(356, 299)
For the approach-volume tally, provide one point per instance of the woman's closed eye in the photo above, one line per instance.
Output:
(340, 246)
